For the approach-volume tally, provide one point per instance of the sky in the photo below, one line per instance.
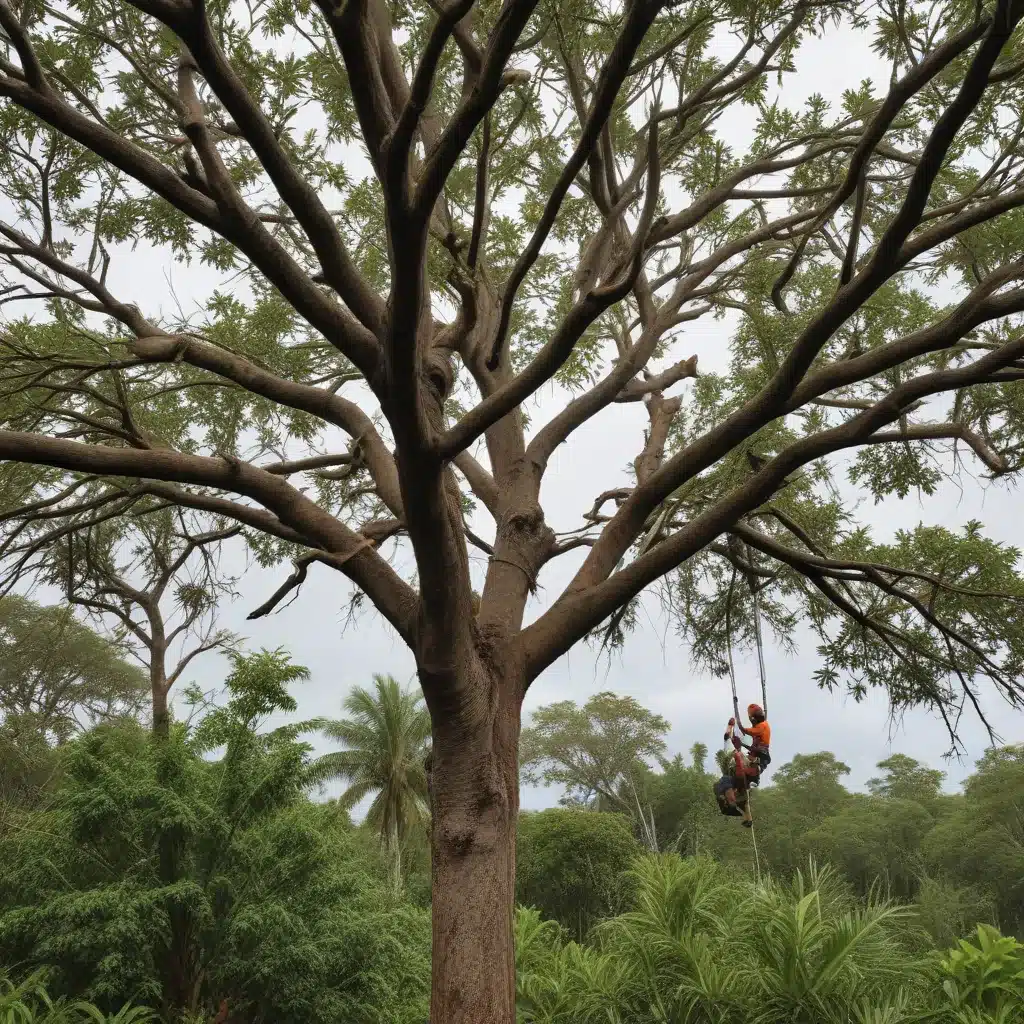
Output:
(654, 668)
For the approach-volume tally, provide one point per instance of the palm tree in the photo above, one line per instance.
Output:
(386, 739)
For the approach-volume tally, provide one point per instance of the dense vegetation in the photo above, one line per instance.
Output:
(153, 869)
(143, 867)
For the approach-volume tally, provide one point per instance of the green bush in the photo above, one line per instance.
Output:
(164, 877)
(571, 865)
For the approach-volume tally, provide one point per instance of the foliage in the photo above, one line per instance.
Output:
(875, 841)
(457, 210)
(30, 1003)
(294, 919)
(870, 298)
(702, 946)
(284, 919)
(598, 752)
(907, 779)
(57, 676)
(677, 796)
(571, 865)
(987, 976)
(386, 742)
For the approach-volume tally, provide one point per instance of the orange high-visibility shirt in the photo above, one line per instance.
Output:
(761, 734)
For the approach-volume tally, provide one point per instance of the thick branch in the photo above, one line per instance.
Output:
(944, 432)
(392, 596)
(328, 406)
(192, 26)
(582, 607)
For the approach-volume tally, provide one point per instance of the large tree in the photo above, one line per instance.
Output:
(458, 204)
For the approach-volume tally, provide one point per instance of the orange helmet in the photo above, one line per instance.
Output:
(754, 710)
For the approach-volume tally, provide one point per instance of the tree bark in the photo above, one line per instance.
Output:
(395, 857)
(161, 711)
(475, 798)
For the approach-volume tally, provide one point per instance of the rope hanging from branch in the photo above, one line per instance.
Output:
(728, 647)
(751, 580)
(760, 644)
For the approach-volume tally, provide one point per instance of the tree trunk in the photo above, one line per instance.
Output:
(161, 712)
(395, 857)
(158, 677)
(475, 799)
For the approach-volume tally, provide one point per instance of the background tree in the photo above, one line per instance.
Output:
(907, 779)
(981, 843)
(58, 677)
(678, 799)
(571, 865)
(543, 194)
(150, 576)
(386, 740)
(599, 752)
(800, 796)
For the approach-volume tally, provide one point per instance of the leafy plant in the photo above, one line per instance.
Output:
(986, 975)
(386, 739)
(270, 903)
(28, 1002)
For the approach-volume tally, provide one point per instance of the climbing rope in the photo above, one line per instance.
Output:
(728, 647)
(756, 601)
(753, 836)
(760, 648)
(735, 692)
(758, 641)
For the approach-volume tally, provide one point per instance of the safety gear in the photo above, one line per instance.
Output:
(754, 710)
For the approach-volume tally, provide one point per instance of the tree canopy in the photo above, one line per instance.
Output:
(597, 752)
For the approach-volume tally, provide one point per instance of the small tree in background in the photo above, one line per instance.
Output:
(151, 577)
(58, 677)
(907, 779)
(599, 752)
(571, 865)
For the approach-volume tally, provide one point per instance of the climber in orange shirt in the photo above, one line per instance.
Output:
(760, 733)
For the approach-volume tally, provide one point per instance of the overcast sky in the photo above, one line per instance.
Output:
(653, 668)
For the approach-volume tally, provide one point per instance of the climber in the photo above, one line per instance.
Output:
(760, 733)
(731, 791)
